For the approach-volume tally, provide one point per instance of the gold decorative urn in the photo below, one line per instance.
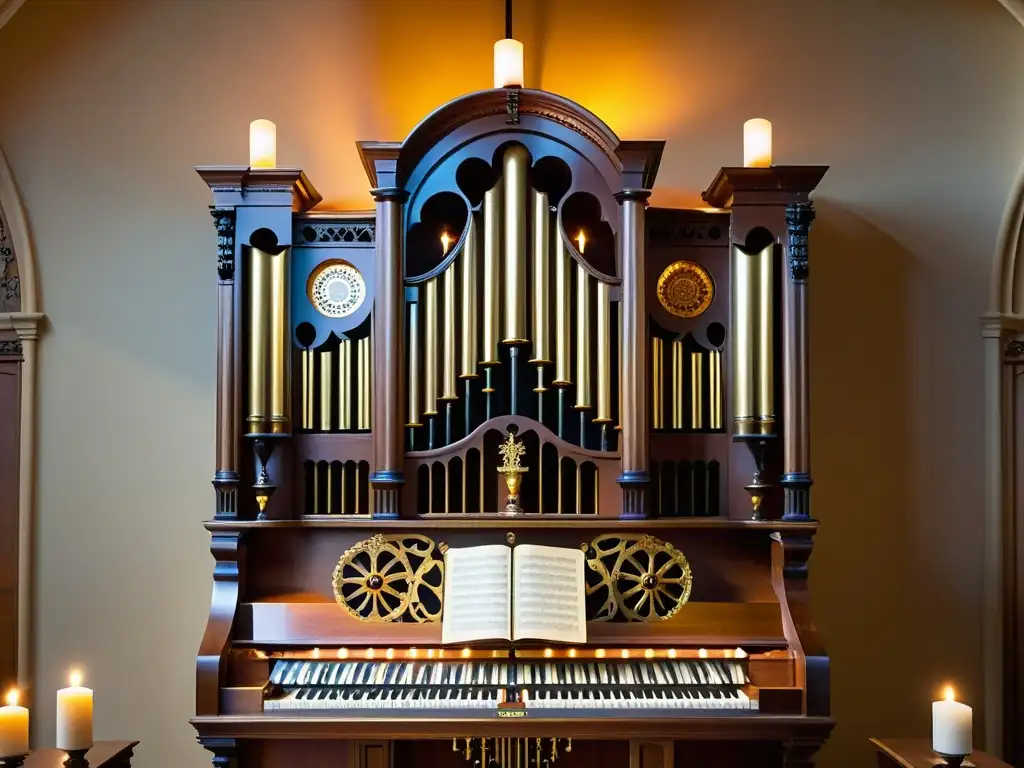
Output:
(512, 468)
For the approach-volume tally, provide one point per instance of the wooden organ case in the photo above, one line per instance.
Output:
(651, 365)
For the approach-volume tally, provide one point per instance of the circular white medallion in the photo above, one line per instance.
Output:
(336, 289)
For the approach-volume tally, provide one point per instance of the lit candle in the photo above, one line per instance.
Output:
(757, 143)
(581, 241)
(262, 144)
(446, 242)
(951, 726)
(508, 63)
(13, 727)
(74, 715)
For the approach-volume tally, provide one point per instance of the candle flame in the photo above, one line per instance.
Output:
(446, 241)
(949, 693)
(343, 653)
(581, 241)
(75, 678)
(702, 653)
(12, 697)
(316, 653)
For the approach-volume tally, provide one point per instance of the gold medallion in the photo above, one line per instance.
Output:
(685, 289)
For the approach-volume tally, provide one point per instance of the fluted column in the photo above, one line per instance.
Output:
(796, 478)
(633, 355)
(225, 478)
(388, 355)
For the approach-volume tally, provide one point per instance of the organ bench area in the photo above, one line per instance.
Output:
(514, 348)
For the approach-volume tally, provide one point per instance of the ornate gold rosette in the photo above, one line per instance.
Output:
(336, 289)
(685, 289)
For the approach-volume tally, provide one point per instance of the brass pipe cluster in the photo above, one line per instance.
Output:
(326, 476)
(352, 382)
(511, 752)
(269, 396)
(753, 341)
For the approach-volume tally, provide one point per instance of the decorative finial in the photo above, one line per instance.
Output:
(512, 468)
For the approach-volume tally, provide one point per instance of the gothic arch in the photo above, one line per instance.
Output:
(1003, 338)
(19, 326)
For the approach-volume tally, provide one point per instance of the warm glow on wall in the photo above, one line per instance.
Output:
(262, 144)
(508, 64)
(757, 143)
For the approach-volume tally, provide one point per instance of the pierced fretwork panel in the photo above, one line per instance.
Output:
(337, 487)
(686, 488)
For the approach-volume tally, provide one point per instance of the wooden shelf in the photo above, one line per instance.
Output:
(591, 522)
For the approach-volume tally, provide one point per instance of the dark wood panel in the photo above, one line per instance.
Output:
(10, 398)
(917, 753)
(104, 754)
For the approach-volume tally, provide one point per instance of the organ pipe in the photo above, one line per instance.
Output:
(583, 394)
(697, 390)
(492, 245)
(766, 341)
(516, 162)
(541, 266)
(657, 383)
(448, 365)
(743, 342)
(414, 366)
(345, 385)
(563, 290)
(430, 371)
(604, 353)
(468, 319)
(326, 373)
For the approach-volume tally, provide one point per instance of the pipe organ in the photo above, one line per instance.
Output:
(516, 346)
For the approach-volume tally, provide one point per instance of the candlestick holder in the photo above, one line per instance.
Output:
(12, 761)
(955, 761)
(76, 758)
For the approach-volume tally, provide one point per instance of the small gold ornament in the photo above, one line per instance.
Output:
(512, 468)
(685, 289)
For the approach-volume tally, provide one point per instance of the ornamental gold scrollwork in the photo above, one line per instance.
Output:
(635, 578)
(685, 289)
(391, 578)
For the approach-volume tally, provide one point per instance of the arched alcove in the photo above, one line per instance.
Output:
(1003, 335)
(19, 329)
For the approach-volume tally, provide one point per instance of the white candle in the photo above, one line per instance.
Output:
(508, 64)
(74, 715)
(262, 144)
(757, 143)
(951, 726)
(13, 727)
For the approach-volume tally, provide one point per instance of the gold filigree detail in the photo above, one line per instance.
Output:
(391, 578)
(685, 289)
(512, 468)
(638, 578)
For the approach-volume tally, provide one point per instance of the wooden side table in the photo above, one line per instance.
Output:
(917, 753)
(104, 754)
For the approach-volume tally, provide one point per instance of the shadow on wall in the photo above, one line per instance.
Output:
(861, 434)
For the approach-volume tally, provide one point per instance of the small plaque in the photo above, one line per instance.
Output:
(336, 289)
(512, 713)
(685, 289)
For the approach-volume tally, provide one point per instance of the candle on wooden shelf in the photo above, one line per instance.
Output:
(74, 715)
(508, 64)
(262, 144)
(952, 726)
(13, 727)
(757, 143)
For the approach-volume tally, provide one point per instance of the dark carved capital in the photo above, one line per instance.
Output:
(636, 195)
(225, 751)
(1014, 352)
(224, 221)
(12, 348)
(799, 217)
(512, 106)
(389, 194)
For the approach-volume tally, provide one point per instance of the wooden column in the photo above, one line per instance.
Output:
(388, 355)
(225, 478)
(634, 416)
(796, 477)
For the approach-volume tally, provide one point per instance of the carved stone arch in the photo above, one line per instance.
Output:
(19, 329)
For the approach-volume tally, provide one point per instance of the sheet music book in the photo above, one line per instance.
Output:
(532, 592)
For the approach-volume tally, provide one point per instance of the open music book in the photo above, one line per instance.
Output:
(531, 592)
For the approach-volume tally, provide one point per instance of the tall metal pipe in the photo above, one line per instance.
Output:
(515, 162)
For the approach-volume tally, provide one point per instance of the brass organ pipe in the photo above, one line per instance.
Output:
(414, 366)
(467, 262)
(715, 394)
(305, 389)
(363, 379)
(657, 384)
(448, 360)
(677, 385)
(329, 489)
(541, 240)
(742, 342)
(563, 291)
(697, 390)
(345, 385)
(280, 346)
(492, 246)
(326, 374)
(583, 394)
(516, 161)
(604, 353)
(430, 371)
(316, 488)
(766, 341)
(258, 417)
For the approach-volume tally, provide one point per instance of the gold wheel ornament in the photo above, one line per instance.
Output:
(636, 578)
(391, 578)
(685, 289)
(336, 289)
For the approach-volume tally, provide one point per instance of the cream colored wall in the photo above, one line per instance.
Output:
(108, 105)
